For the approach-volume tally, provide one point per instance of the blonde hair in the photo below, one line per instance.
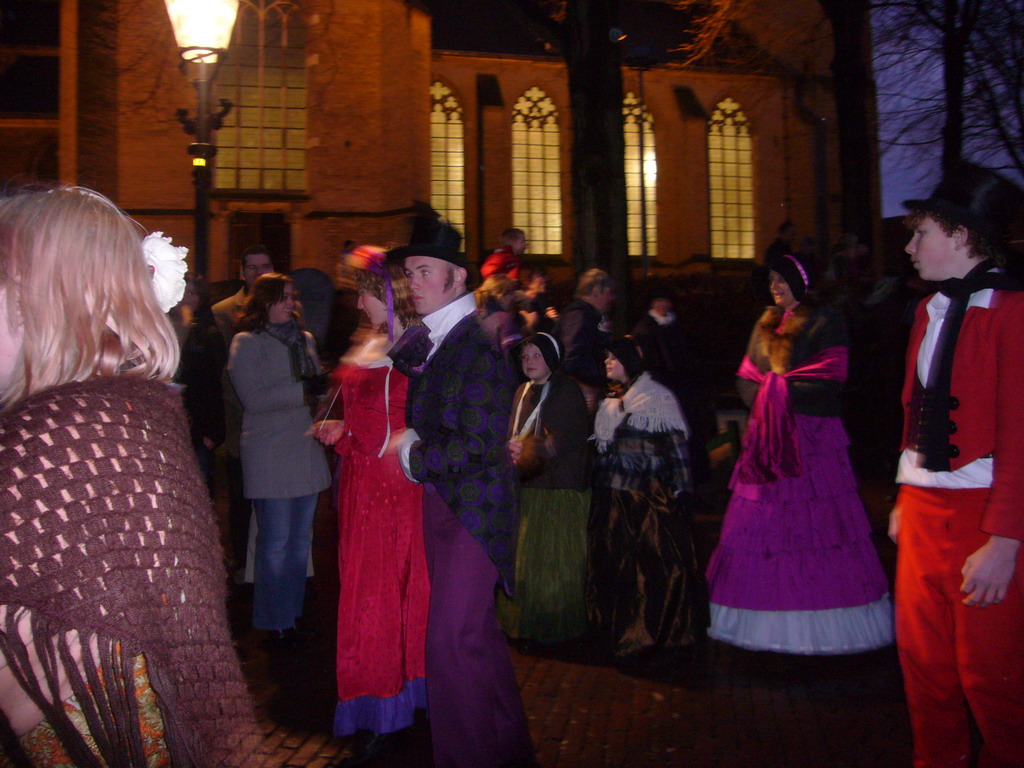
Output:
(593, 280)
(374, 284)
(494, 287)
(78, 287)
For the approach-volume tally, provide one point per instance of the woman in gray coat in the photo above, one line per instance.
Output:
(283, 468)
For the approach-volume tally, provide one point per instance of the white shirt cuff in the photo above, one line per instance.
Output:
(404, 449)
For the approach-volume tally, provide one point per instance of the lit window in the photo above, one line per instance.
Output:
(262, 145)
(447, 156)
(536, 172)
(731, 183)
(640, 206)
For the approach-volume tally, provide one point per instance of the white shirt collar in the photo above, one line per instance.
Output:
(939, 303)
(441, 321)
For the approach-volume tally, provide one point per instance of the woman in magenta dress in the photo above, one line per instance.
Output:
(795, 570)
(382, 610)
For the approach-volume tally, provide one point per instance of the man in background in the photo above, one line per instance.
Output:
(508, 259)
(256, 261)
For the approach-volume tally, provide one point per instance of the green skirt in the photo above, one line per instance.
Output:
(551, 567)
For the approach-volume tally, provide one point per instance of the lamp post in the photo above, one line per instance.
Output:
(202, 29)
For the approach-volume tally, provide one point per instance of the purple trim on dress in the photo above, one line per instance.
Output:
(381, 715)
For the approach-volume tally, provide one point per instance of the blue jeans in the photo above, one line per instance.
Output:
(282, 549)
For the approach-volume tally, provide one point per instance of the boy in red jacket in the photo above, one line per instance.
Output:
(959, 518)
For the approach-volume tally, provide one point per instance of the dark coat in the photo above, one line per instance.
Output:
(556, 457)
(460, 407)
(583, 343)
(669, 357)
(203, 357)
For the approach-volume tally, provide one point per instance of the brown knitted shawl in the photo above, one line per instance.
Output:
(106, 528)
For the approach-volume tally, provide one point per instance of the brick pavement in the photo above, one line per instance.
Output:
(723, 708)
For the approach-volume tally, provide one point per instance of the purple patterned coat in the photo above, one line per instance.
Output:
(460, 408)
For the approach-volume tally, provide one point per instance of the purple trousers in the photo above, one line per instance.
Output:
(476, 714)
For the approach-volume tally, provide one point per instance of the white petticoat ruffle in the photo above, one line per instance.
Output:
(828, 632)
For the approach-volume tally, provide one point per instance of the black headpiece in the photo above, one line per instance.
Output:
(628, 353)
(548, 346)
(795, 270)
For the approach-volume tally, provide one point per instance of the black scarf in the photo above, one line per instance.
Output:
(930, 428)
(289, 334)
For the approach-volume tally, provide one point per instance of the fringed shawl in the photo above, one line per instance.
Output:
(648, 405)
(107, 531)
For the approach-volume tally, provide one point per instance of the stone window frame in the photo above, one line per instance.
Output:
(537, 171)
(633, 112)
(262, 146)
(731, 212)
(447, 155)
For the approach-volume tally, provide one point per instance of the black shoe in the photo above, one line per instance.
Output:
(369, 746)
(282, 640)
(525, 645)
(526, 762)
(303, 630)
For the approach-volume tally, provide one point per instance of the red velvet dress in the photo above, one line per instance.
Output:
(382, 610)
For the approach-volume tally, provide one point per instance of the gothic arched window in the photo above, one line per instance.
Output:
(730, 182)
(536, 172)
(262, 145)
(637, 118)
(447, 156)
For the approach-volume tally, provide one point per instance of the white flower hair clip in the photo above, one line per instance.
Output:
(167, 266)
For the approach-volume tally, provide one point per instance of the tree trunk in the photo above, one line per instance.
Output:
(958, 24)
(598, 147)
(855, 99)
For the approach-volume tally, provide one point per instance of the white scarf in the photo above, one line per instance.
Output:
(532, 425)
(441, 321)
(668, 319)
(649, 406)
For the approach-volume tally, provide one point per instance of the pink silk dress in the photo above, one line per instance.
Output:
(382, 609)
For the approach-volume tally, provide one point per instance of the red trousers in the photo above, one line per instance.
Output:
(956, 657)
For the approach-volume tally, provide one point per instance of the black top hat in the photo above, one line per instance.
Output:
(976, 198)
(432, 236)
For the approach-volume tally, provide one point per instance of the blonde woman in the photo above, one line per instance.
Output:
(385, 592)
(114, 644)
(494, 303)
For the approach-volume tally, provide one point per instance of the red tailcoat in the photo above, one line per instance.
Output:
(986, 402)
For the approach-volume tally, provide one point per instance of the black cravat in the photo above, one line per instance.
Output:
(410, 352)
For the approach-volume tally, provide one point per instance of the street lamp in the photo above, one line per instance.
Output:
(202, 29)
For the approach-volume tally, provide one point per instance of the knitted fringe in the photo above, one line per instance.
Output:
(103, 685)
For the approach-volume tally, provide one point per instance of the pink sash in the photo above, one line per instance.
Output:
(770, 449)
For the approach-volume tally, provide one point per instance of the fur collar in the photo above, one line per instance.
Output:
(779, 346)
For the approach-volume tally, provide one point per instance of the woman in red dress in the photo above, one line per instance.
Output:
(382, 610)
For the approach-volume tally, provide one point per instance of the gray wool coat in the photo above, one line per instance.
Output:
(279, 461)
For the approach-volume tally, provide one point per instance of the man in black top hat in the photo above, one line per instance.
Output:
(959, 518)
(460, 399)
